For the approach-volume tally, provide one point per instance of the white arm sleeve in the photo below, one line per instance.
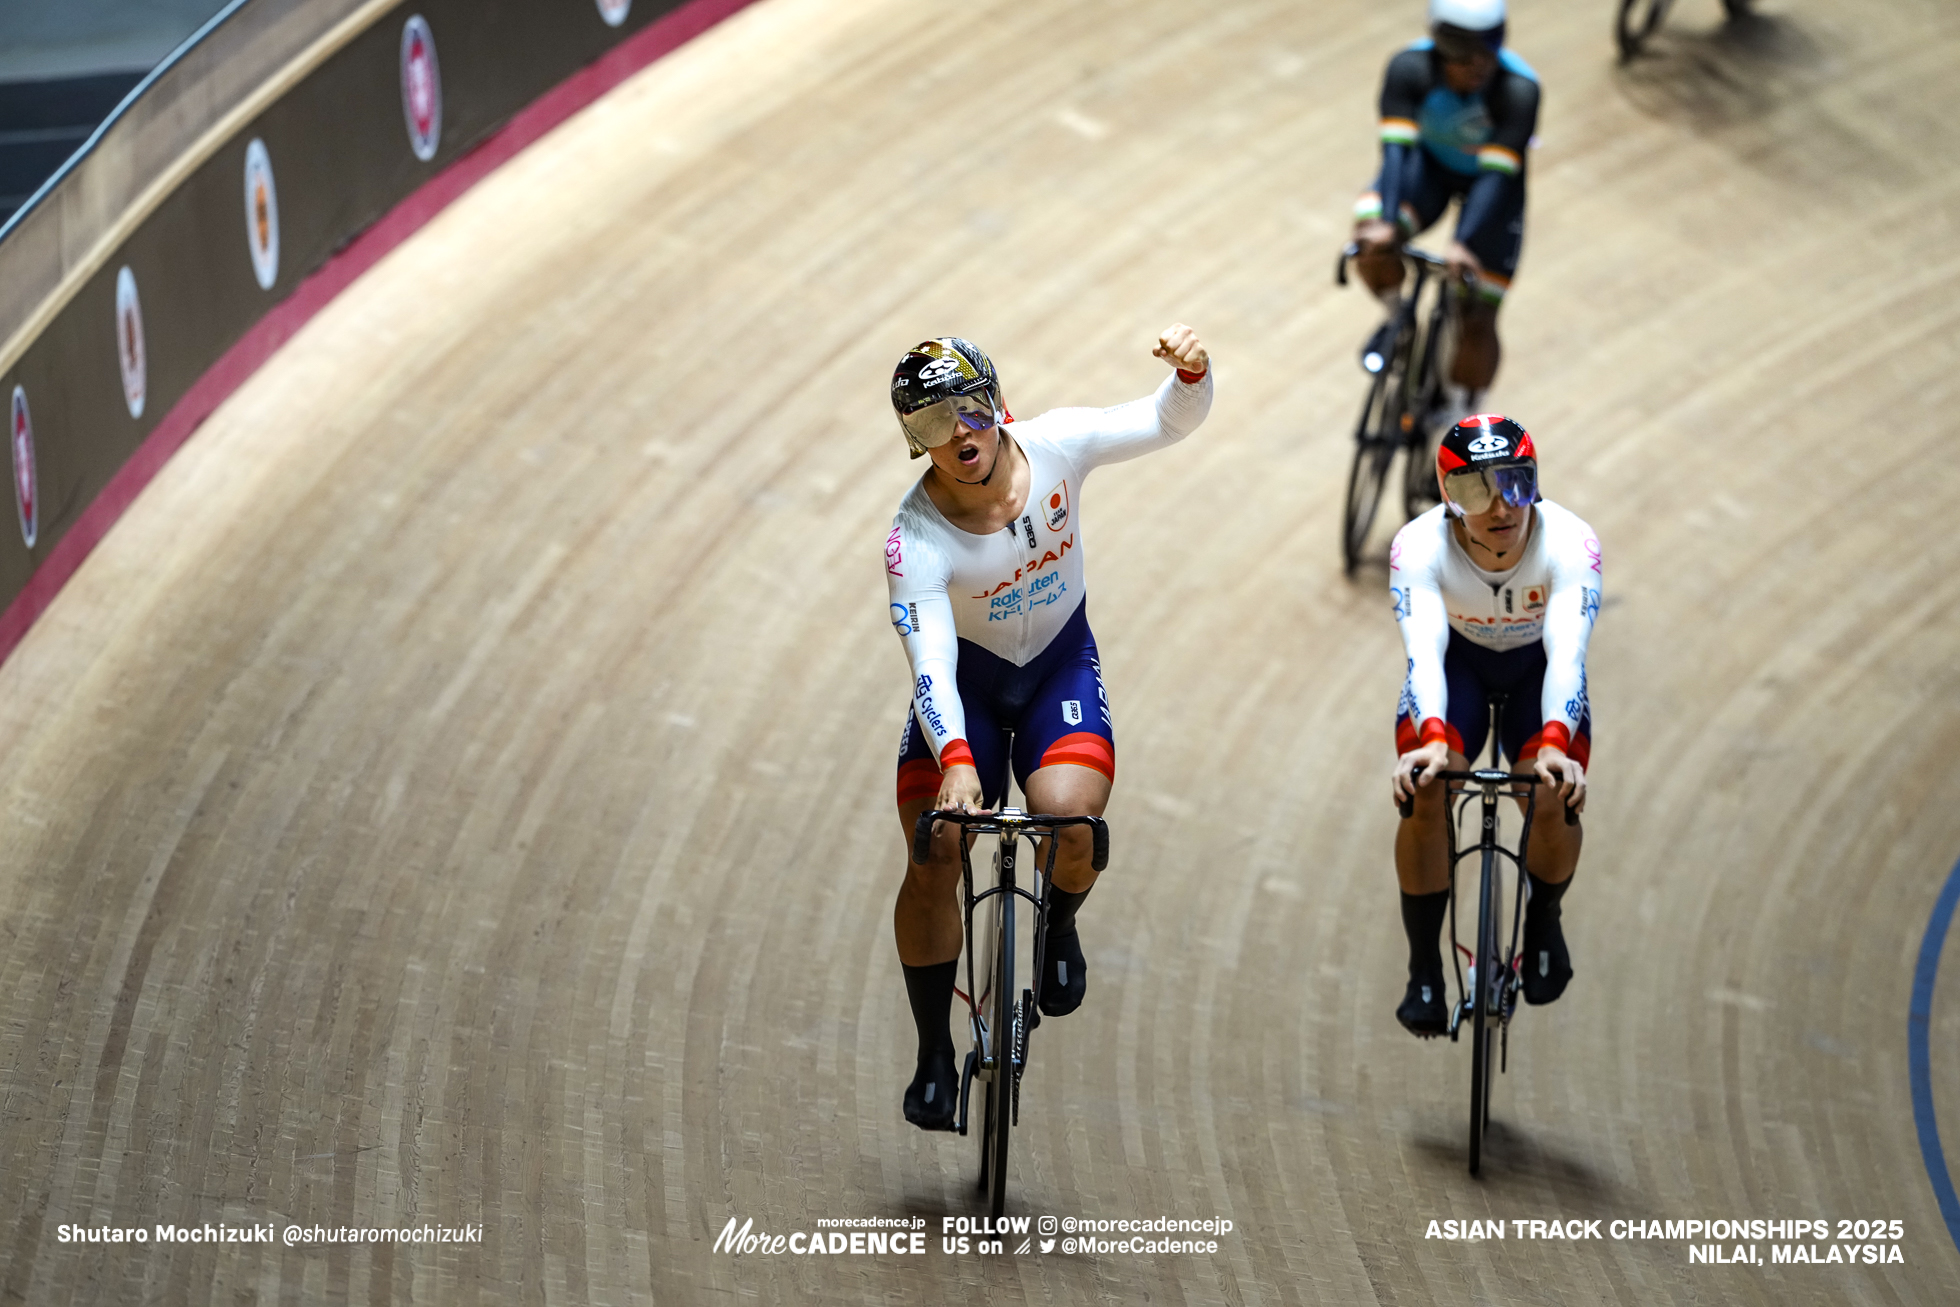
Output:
(916, 574)
(1569, 614)
(1094, 436)
(1425, 623)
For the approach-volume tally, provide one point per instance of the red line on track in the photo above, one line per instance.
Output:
(263, 339)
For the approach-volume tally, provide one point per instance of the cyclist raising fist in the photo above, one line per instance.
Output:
(1495, 590)
(984, 565)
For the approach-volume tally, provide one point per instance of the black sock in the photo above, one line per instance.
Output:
(1062, 904)
(1422, 918)
(1543, 903)
(931, 990)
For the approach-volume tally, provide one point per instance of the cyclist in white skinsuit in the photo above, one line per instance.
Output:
(984, 565)
(1495, 590)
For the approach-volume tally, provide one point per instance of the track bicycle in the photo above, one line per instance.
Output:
(999, 1017)
(1405, 389)
(1639, 19)
(1490, 997)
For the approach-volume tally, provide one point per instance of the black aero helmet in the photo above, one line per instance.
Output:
(1484, 457)
(941, 385)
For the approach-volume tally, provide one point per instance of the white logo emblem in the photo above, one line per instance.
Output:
(129, 342)
(615, 11)
(421, 88)
(1054, 509)
(26, 484)
(1072, 711)
(939, 370)
(261, 214)
(1489, 443)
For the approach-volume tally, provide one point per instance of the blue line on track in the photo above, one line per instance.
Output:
(1921, 1057)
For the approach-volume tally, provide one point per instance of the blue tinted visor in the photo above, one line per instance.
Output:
(1476, 489)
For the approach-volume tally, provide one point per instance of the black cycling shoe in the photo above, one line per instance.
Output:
(1065, 976)
(1546, 965)
(1376, 353)
(932, 1099)
(1424, 1013)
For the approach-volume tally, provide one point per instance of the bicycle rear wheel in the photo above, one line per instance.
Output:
(1376, 437)
(1483, 1029)
(1000, 1090)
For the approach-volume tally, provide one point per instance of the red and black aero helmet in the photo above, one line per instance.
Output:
(942, 385)
(1485, 456)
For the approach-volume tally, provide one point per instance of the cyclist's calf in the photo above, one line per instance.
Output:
(1477, 349)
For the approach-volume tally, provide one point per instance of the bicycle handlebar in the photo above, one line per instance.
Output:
(1012, 822)
(1486, 777)
(1353, 248)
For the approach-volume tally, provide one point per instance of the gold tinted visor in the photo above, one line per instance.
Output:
(935, 424)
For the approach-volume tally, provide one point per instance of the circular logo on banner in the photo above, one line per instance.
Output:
(421, 88)
(129, 342)
(261, 214)
(26, 484)
(615, 11)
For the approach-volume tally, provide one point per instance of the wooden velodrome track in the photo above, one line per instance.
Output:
(459, 790)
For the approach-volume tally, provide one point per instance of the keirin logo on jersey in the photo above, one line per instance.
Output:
(27, 490)
(129, 342)
(421, 88)
(261, 214)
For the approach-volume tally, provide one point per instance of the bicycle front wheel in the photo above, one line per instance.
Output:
(1483, 1028)
(1375, 439)
(1000, 1090)
(988, 1034)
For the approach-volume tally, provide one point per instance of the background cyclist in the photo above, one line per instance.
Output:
(984, 565)
(1457, 112)
(1495, 589)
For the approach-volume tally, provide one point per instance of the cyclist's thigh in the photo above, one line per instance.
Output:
(1467, 718)
(918, 767)
(1065, 740)
(1524, 720)
(1425, 193)
(1499, 245)
(1427, 188)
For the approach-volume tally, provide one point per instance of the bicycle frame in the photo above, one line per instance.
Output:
(1494, 985)
(1000, 1051)
(1491, 783)
(1404, 388)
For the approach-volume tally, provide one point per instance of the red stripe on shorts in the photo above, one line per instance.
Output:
(917, 779)
(1083, 749)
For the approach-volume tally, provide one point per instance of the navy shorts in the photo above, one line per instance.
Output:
(1427, 189)
(1055, 706)
(1472, 673)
